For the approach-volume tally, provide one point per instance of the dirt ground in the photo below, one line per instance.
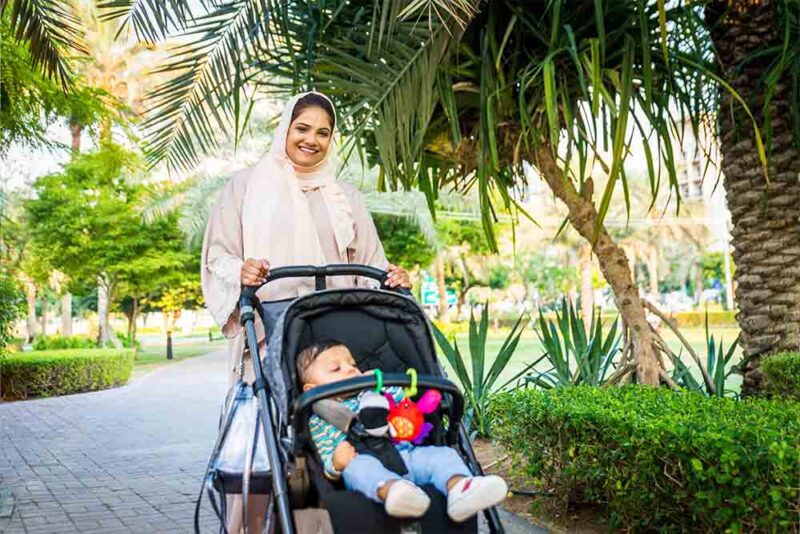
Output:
(533, 506)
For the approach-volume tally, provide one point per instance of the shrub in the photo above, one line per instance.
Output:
(58, 342)
(659, 459)
(60, 372)
(782, 373)
(128, 342)
(12, 307)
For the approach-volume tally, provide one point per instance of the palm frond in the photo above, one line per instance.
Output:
(193, 198)
(391, 93)
(52, 31)
(203, 98)
(445, 11)
(152, 20)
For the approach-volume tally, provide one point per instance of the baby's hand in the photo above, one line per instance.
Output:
(343, 455)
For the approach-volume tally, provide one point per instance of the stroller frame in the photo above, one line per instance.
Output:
(249, 305)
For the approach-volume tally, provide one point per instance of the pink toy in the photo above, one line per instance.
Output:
(406, 417)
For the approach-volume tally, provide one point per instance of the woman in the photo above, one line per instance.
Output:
(288, 209)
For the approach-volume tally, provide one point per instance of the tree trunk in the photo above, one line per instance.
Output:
(134, 317)
(75, 130)
(728, 279)
(30, 296)
(630, 253)
(442, 290)
(44, 315)
(102, 314)
(765, 214)
(613, 262)
(66, 314)
(587, 287)
(698, 283)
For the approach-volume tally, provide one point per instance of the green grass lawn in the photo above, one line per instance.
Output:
(529, 349)
(154, 351)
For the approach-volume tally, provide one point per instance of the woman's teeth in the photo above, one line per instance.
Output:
(308, 150)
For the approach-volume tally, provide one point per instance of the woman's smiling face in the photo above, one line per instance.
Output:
(309, 137)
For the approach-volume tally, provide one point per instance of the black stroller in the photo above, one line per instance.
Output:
(385, 329)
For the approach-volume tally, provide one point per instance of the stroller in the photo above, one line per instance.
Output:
(385, 329)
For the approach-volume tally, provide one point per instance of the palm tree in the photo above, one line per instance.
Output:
(52, 31)
(757, 44)
(458, 99)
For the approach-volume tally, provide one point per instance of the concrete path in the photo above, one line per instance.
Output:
(123, 460)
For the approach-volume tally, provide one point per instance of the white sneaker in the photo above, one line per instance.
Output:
(471, 495)
(405, 499)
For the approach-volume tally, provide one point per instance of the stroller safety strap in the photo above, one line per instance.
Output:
(335, 413)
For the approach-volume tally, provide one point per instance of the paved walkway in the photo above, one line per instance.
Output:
(123, 460)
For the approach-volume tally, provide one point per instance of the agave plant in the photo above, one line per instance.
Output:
(577, 356)
(718, 367)
(479, 385)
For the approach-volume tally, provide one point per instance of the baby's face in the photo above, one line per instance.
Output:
(332, 365)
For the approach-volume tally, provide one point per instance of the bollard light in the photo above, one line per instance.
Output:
(169, 344)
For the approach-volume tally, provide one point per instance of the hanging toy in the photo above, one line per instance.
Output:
(406, 418)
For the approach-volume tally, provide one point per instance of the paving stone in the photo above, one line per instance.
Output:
(107, 461)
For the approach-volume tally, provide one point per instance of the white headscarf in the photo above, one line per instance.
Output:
(263, 213)
(276, 201)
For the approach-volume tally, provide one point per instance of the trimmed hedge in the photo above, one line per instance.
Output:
(697, 319)
(782, 373)
(61, 372)
(58, 342)
(657, 459)
(687, 319)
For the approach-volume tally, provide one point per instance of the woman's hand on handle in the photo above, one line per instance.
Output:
(254, 271)
(398, 277)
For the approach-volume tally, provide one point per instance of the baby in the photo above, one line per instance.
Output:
(327, 362)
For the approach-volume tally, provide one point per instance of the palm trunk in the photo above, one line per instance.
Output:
(66, 314)
(613, 263)
(587, 287)
(442, 289)
(765, 214)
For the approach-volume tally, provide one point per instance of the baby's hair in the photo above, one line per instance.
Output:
(308, 355)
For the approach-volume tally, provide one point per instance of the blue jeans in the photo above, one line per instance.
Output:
(426, 465)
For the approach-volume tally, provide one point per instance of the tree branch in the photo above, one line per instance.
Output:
(658, 313)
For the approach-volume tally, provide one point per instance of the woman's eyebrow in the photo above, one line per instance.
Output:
(324, 128)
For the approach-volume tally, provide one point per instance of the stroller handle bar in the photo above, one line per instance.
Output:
(303, 404)
(319, 273)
